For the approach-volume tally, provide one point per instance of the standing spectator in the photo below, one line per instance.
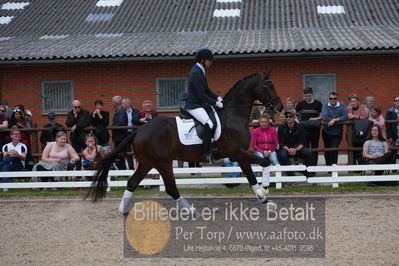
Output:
(146, 114)
(3, 125)
(118, 135)
(78, 119)
(368, 103)
(100, 121)
(393, 128)
(9, 111)
(333, 112)
(27, 113)
(14, 155)
(309, 111)
(292, 141)
(56, 156)
(132, 113)
(258, 112)
(18, 120)
(355, 109)
(49, 135)
(265, 140)
(378, 120)
(375, 150)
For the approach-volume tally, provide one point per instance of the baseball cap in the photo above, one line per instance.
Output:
(290, 111)
(51, 116)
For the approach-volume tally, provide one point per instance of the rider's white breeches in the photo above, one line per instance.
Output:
(201, 115)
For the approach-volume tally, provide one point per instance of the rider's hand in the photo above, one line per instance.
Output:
(220, 99)
(219, 105)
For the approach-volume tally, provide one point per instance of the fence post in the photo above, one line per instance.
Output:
(35, 140)
(335, 176)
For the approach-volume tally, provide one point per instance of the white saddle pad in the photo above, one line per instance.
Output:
(188, 134)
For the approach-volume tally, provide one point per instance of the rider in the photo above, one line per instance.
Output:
(201, 97)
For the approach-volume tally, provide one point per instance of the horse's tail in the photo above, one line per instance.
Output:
(99, 185)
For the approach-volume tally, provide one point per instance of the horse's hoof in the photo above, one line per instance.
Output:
(125, 206)
(261, 194)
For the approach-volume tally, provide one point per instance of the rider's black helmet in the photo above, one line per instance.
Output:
(204, 54)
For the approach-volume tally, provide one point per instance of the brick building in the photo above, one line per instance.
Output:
(54, 51)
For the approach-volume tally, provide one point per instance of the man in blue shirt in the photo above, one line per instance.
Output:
(333, 112)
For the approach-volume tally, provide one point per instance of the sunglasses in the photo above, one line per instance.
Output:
(1, 110)
(76, 107)
(289, 116)
(397, 100)
(333, 98)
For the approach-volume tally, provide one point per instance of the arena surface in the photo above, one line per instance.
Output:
(361, 229)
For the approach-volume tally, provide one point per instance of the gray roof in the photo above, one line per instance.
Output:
(79, 29)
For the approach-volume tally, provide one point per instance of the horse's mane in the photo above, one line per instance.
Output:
(238, 84)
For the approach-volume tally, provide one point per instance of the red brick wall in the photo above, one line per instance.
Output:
(377, 76)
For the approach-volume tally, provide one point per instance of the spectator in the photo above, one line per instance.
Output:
(26, 112)
(281, 118)
(259, 111)
(355, 109)
(378, 119)
(9, 111)
(368, 103)
(393, 128)
(375, 151)
(333, 112)
(118, 135)
(292, 138)
(290, 105)
(309, 111)
(53, 128)
(100, 121)
(56, 156)
(78, 119)
(18, 120)
(14, 155)
(132, 113)
(265, 140)
(228, 163)
(3, 125)
(147, 113)
(92, 152)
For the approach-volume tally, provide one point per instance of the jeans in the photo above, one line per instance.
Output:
(331, 141)
(312, 141)
(272, 157)
(10, 164)
(304, 153)
(228, 163)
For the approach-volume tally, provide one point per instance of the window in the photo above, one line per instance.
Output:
(57, 96)
(322, 85)
(168, 92)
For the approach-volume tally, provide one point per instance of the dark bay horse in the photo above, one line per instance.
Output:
(156, 144)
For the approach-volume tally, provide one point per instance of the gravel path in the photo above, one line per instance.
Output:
(360, 230)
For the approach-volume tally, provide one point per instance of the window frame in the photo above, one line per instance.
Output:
(67, 104)
(158, 93)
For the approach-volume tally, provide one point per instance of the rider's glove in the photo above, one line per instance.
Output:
(219, 105)
(220, 99)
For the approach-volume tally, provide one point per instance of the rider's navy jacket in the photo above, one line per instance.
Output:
(199, 94)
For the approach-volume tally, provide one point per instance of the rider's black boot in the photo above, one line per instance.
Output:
(206, 145)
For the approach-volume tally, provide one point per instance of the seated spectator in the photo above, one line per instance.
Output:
(49, 135)
(146, 115)
(355, 109)
(18, 120)
(375, 151)
(27, 113)
(228, 163)
(92, 152)
(14, 155)
(57, 156)
(9, 111)
(292, 140)
(265, 140)
(378, 119)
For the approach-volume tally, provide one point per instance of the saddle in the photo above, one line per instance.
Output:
(197, 124)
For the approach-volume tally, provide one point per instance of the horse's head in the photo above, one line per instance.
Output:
(267, 93)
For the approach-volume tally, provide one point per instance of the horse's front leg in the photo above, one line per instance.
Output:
(260, 192)
(248, 157)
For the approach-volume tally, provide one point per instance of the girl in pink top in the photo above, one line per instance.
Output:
(265, 140)
(378, 119)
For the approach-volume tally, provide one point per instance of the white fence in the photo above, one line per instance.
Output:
(277, 178)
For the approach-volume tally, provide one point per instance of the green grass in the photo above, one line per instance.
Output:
(243, 189)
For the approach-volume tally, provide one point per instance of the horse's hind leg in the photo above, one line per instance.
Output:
(166, 171)
(132, 184)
